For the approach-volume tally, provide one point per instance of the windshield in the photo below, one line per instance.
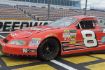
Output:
(64, 22)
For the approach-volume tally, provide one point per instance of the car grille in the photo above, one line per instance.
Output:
(5, 40)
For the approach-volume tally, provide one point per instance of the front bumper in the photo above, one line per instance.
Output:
(17, 50)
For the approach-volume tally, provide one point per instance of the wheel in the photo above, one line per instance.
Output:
(48, 49)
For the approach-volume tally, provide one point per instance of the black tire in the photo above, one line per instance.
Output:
(48, 49)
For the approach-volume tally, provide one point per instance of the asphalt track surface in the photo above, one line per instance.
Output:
(89, 61)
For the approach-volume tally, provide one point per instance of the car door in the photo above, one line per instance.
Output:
(86, 34)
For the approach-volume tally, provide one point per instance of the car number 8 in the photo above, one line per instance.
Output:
(91, 38)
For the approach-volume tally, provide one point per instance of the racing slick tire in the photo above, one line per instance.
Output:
(48, 49)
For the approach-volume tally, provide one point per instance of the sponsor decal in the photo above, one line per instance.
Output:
(73, 36)
(70, 35)
(103, 39)
(66, 35)
(28, 50)
(35, 42)
(7, 26)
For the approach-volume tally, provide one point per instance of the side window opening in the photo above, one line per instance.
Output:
(86, 24)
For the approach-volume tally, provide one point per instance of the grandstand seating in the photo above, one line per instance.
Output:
(10, 12)
(41, 13)
(33, 12)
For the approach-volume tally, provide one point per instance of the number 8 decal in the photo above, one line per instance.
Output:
(88, 39)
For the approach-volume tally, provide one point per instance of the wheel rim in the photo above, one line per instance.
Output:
(48, 49)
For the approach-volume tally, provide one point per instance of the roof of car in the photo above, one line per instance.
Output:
(84, 16)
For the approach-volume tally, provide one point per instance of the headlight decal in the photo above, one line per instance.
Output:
(17, 42)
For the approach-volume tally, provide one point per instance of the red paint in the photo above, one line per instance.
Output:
(45, 32)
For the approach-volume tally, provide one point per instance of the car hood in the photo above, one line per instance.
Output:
(20, 34)
(29, 31)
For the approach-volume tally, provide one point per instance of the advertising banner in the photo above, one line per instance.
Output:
(6, 26)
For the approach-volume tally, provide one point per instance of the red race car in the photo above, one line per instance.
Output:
(68, 35)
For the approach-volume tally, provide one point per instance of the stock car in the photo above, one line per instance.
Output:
(69, 35)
